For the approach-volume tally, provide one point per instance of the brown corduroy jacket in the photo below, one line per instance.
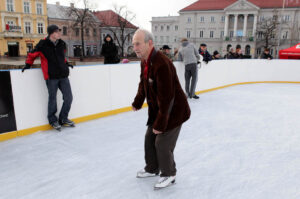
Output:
(167, 104)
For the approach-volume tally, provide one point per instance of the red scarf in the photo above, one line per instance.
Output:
(147, 64)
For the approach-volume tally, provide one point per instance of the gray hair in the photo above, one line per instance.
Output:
(148, 34)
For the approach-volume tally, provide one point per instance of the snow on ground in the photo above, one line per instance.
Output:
(241, 142)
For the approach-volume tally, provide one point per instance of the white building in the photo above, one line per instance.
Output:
(225, 23)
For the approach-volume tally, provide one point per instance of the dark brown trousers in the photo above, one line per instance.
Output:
(159, 150)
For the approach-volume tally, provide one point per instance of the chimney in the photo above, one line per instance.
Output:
(57, 3)
(72, 5)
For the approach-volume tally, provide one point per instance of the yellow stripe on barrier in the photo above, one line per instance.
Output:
(242, 83)
(24, 132)
(8, 136)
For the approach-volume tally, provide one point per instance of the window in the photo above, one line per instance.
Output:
(168, 28)
(65, 30)
(286, 18)
(261, 18)
(188, 34)
(211, 34)
(87, 32)
(231, 34)
(260, 35)
(39, 8)
(27, 27)
(176, 28)
(10, 5)
(222, 34)
(271, 51)
(161, 39)
(167, 39)
(161, 28)
(212, 19)
(26, 7)
(223, 19)
(10, 23)
(258, 51)
(201, 19)
(77, 32)
(155, 39)
(95, 32)
(201, 33)
(40, 28)
(155, 28)
(285, 35)
(189, 19)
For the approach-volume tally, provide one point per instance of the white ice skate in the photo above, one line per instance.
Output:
(144, 174)
(164, 182)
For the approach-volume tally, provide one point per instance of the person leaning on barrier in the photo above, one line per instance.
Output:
(266, 54)
(216, 55)
(166, 50)
(55, 68)
(203, 51)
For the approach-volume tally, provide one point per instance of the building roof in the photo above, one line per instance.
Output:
(222, 4)
(110, 19)
(63, 12)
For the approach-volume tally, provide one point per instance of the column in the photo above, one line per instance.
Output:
(245, 25)
(254, 26)
(235, 24)
(226, 26)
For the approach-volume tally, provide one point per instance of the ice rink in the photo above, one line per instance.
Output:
(242, 142)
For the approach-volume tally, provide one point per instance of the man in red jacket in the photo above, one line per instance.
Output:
(55, 68)
(168, 109)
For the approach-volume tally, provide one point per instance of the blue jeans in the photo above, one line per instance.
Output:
(64, 86)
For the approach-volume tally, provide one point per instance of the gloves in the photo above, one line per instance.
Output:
(27, 66)
(70, 65)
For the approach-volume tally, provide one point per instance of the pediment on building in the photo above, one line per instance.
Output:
(242, 5)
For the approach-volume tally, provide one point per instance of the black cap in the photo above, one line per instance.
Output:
(166, 47)
(204, 45)
(52, 28)
(216, 52)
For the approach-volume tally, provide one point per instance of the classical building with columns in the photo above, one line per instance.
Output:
(224, 23)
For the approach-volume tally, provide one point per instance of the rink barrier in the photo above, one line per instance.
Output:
(114, 97)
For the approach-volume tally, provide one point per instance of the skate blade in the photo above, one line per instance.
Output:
(66, 125)
(159, 188)
(58, 130)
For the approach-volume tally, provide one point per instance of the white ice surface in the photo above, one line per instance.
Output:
(241, 142)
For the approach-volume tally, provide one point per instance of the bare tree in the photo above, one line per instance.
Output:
(84, 19)
(124, 29)
(267, 30)
(295, 31)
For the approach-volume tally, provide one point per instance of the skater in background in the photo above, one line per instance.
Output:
(230, 54)
(110, 51)
(168, 109)
(55, 68)
(216, 55)
(266, 54)
(203, 51)
(190, 57)
(167, 51)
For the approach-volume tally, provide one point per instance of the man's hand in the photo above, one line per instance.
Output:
(27, 66)
(157, 132)
(134, 109)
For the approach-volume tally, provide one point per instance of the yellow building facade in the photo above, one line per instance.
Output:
(23, 23)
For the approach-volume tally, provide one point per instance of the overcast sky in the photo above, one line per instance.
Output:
(144, 9)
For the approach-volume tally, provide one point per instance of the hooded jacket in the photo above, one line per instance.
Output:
(110, 51)
(188, 54)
